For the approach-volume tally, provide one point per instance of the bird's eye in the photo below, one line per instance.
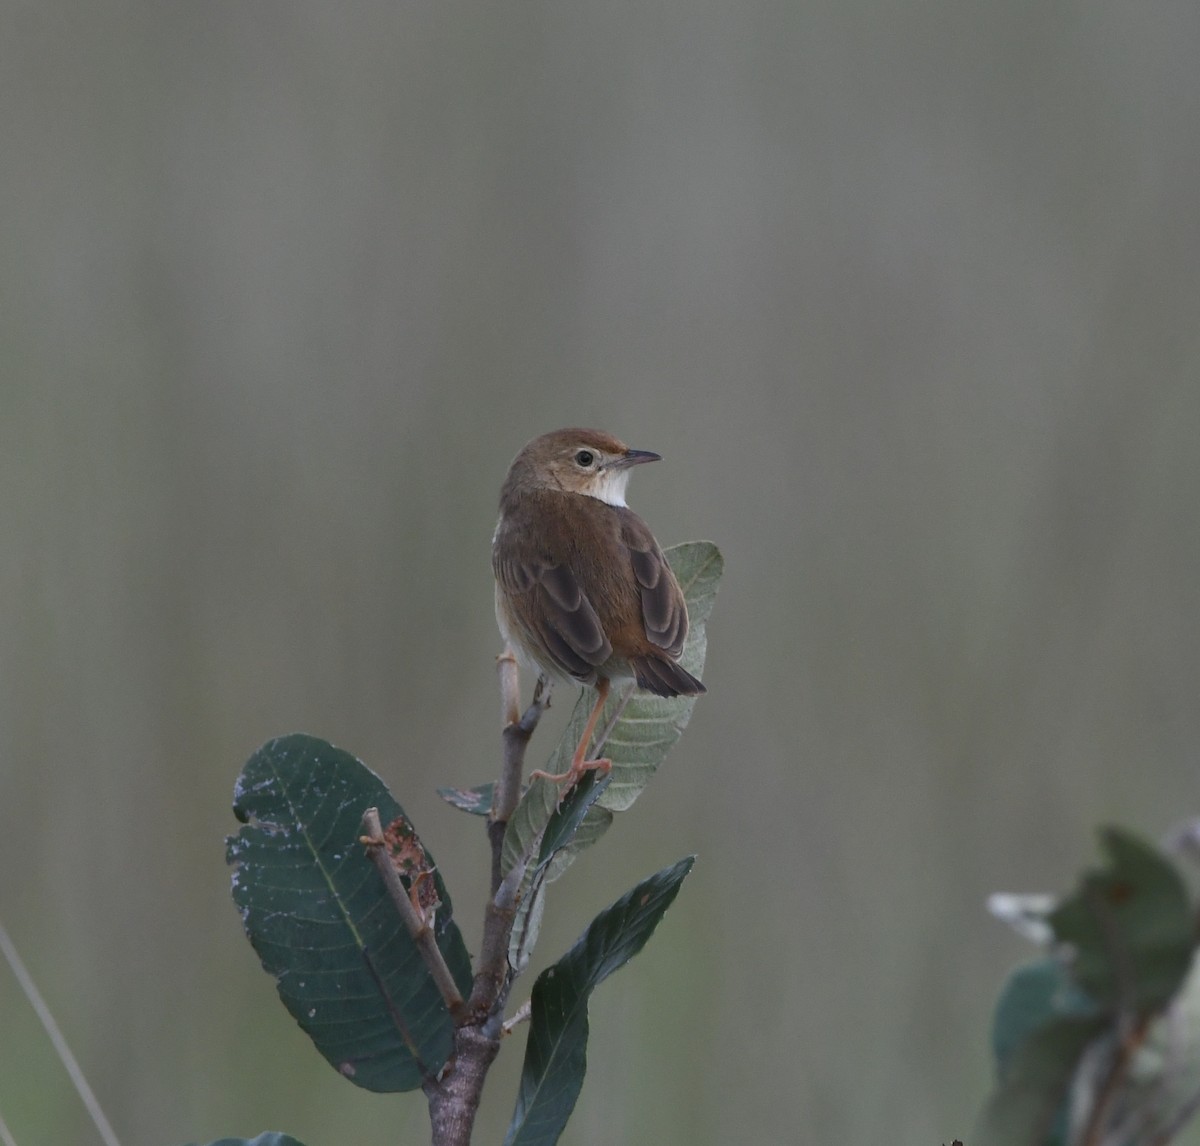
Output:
(585, 458)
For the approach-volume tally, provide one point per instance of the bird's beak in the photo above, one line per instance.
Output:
(633, 458)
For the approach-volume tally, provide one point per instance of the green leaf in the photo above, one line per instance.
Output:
(1130, 924)
(1034, 994)
(646, 731)
(1027, 1108)
(317, 913)
(567, 817)
(1129, 938)
(477, 800)
(556, 1053)
(527, 924)
(559, 833)
(1041, 1027)
(269, 1139)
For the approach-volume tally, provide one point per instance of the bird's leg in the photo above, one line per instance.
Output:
(579, 762)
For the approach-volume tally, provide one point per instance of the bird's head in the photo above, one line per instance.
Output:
(589, 462)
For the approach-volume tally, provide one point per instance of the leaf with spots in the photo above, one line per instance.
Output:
(317, 913)
(477, 801)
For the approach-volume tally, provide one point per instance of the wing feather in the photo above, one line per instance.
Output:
(664, 611)
(557, 612)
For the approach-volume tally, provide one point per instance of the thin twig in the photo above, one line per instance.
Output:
(510, 686)
(515, 738)
(1131, 1029)
(491, 971)
(518, 728)
(521, 1015)
(56, 1038)
(420, 931)
(1127, 1045)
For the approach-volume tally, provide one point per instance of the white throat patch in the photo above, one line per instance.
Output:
(609, 486)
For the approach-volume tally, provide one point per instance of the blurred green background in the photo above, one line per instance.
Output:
(908, 298)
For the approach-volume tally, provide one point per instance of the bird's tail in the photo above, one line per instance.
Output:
(664, 677)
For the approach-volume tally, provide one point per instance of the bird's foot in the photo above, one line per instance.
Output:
(574, 774)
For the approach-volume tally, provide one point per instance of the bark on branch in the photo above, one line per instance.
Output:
(454, 1096)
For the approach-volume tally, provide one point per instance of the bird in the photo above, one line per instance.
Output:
(583, 591)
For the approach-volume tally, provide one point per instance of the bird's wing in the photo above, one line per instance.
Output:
(557, 612)
(664, 611)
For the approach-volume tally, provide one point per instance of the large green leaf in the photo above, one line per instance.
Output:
(556, 1053)
(1130, 925)
(646, 731)
(316, 910)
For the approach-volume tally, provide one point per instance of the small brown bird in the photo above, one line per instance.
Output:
(583, 591)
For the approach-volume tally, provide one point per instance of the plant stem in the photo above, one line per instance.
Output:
(1128, 1043)
(414, 921)
(454, 1101)
(491, 972)
(521, 1015)
(454, 1097)
(515, 738)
